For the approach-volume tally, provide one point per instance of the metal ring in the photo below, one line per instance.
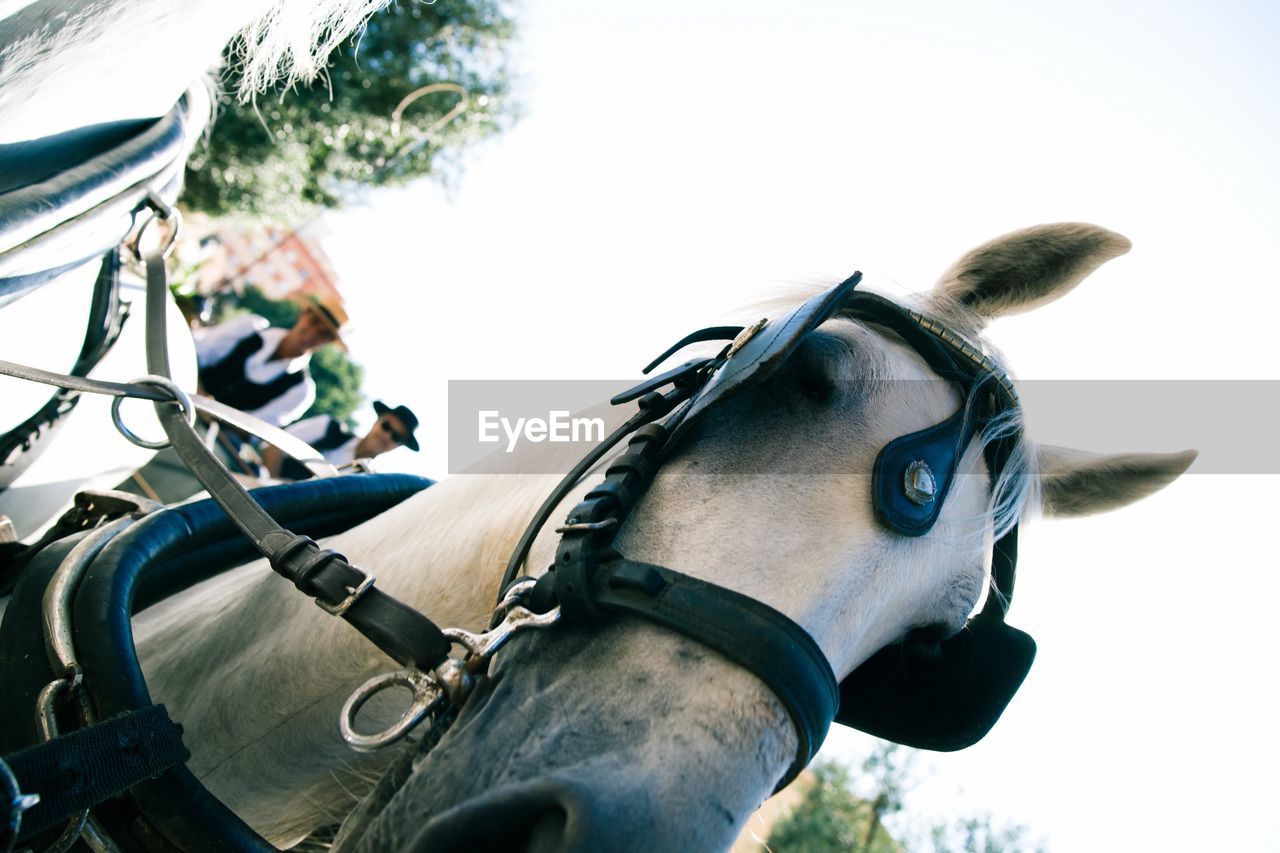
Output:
(179, 396)
(162, 211)
(426, 694)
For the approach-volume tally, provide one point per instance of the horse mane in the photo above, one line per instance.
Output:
(292, 39)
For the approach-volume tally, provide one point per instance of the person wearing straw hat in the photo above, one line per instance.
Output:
(340, 446)
(249, 365)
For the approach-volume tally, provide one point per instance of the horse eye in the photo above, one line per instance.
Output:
(816, 385)
(811, 371)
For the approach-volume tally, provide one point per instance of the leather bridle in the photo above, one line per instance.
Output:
(591, 581)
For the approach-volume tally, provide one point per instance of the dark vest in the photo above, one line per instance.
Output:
(335, 435)
(225, 380)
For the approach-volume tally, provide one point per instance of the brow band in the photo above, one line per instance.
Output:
(966, 349)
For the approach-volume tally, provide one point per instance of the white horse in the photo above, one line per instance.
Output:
(629, 736)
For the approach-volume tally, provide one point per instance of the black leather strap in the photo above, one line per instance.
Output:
(23, 444)
(768, 644)
(711, 333)
(403, 633)
(397, 629)
(917, 705)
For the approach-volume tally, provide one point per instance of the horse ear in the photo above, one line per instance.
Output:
(1074, 482)
(1029, 268)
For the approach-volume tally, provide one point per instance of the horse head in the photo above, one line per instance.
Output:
(624, 735)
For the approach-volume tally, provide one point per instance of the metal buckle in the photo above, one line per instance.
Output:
(343, 606)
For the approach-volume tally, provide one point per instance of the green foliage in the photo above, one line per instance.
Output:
(841, 813)
(978, 835)
(831, 819)
(338, 380)
(286, 156)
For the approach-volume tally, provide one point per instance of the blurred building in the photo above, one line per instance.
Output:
(276, 261)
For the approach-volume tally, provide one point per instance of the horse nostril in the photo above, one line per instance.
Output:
(529, 817)
(547, 835)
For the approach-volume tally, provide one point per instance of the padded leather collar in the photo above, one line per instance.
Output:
(53, 223)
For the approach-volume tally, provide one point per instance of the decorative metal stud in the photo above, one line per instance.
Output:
(919, 483)
(745, 335)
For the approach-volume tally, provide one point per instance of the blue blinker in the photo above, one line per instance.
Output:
(913, 473)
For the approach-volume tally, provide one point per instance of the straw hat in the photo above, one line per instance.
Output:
(329, 308)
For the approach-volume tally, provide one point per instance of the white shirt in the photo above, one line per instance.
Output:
(215, 343)
(313, 429)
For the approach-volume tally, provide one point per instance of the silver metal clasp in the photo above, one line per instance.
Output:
(516, 618)
(450, 682)
(428, 696)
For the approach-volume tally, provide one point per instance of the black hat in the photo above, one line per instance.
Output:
(409, 419)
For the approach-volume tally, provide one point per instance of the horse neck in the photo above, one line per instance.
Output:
(67, 64)
(442, 552)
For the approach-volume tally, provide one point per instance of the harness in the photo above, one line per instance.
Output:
(68, 201)
(945, 703)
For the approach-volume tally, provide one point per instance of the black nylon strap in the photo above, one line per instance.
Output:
(83, 768)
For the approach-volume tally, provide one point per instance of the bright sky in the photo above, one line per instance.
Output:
(674, 161)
